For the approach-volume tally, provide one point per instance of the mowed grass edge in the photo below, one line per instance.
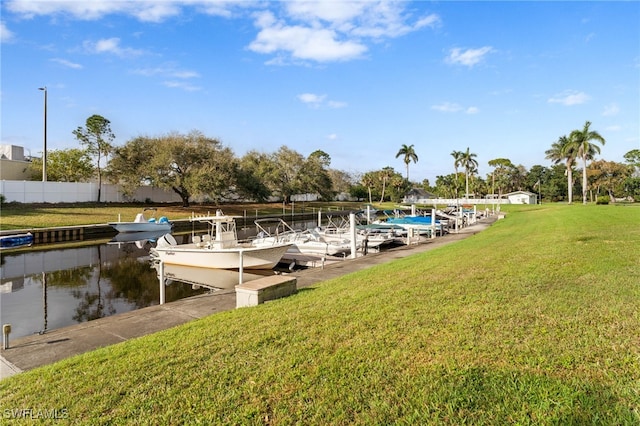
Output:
(532, 321)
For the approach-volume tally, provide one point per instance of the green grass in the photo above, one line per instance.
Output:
(533, 321)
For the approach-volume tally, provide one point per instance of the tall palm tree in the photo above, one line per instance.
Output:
(384, 175)
(368, 180)
(581, 140)
(457, 162)
(470, 164)
(564, 150)
(409, 155)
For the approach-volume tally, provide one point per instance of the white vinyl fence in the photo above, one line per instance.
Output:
(454, 201)
(24, 191)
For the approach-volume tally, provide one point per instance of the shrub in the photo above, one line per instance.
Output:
(602, 200)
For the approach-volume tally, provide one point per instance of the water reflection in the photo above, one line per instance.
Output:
(222, 279)
(43, 290)
(46, 290)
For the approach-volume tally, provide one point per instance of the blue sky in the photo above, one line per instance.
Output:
(355, 79)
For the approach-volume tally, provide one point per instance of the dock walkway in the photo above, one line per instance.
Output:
(34, 351)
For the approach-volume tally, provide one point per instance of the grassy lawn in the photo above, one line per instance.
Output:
(533, 321)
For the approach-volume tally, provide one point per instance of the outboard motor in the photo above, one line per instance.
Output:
(167, 240)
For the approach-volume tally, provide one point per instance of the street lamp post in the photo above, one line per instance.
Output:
(44, 153)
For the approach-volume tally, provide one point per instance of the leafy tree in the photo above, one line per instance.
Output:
(97, 137)
(457, 163)
(500, 175)
(470, 165)
(609, 176)
(399, 186)
(368, 181)
(384, 175)
(315, 177)
(633, 158)
(408, 154)
(536, 180)
(564, 150)
(584, 149)
(321, 157)
(446, 185)
(65, 165)
(286, 173)
(189, 165)
(253, 167)
(341, 181)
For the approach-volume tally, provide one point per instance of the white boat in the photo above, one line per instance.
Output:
(342, 232)
(219, 248)
(272, 231)
(142, 224)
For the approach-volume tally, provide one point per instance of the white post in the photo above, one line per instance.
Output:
(319, 217)
(6, 330)
(413, 209)
(368, 214)
(433, 223)
(161, 274)
(352, 229)
(241, 267)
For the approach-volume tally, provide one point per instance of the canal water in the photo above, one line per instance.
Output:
(42, 290)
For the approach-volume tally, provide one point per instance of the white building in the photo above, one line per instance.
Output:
(521, 197)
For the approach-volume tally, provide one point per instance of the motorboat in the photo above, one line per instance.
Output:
(277, 231)
(342, 232)
(16, 240)
(219, 248)
(142, 224)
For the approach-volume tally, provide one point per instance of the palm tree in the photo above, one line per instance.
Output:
(384, 175)
(563, 150)
(368, 180)
(470, 164)
(409, 155)
(580, 139)
(457, 162)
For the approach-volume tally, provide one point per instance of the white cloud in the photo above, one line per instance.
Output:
(611, 110)
(302, 31)
(149, 11)
(331, 30)
(311, 99)
(182, 85)
(6, 36)
(66, 63)
(332, 137)
(453, 107)
(110, 45)
(317, 101)
(614, 128)
(468, 57)
(569, 98)
(318, 44)
(168, 70)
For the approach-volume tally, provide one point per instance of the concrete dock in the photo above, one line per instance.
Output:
(34, 351)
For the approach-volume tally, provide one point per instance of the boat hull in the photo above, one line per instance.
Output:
(252, 257)
(15, 241)
(125, 227)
